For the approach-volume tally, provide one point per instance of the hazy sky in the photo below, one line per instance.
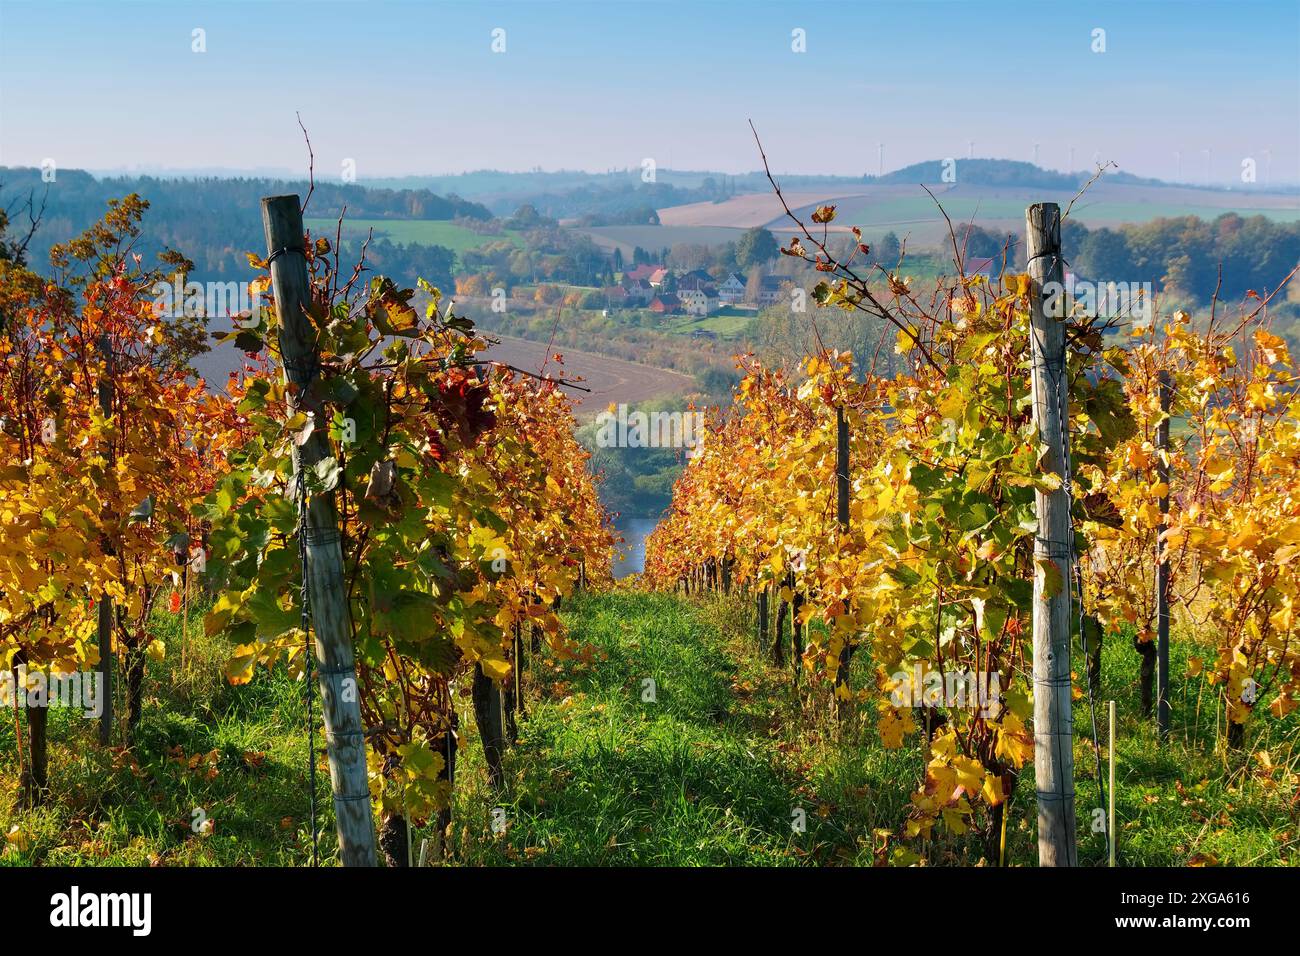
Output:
(414, 87)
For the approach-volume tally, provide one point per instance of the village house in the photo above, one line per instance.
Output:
(638, 291)
(696, 279)
(769, 291)
(666, 303)
(643, 271)
(732, 289)
(697, 301)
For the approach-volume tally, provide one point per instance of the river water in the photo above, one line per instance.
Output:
(634, 530)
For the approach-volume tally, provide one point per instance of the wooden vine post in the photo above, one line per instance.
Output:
(1053, 722)
(327, 596)
(1162, 564)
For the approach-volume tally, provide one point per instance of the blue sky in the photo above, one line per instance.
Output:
(414, 87)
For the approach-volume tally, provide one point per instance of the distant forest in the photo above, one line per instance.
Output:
(213, 221)
(1179, 256)
(1183, 255)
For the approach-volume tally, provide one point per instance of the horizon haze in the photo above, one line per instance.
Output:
(449, 87)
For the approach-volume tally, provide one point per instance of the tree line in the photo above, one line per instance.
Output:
(208, 217)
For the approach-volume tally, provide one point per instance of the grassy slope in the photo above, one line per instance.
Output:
(136, 808)
(709, 773)
(691, 779)
(1090, 211)
(726, 324)
(429, 232)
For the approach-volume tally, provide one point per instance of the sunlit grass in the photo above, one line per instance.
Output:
(715, 770)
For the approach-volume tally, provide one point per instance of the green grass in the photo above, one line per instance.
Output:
(429, 232)
(898, 210)
(603, 777)
(1187, 800)
(713, 771)
(726, 324)
(136, 807)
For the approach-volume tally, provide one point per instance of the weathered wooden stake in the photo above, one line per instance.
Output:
(1053, 721)
(1162, 567)
(330, 615)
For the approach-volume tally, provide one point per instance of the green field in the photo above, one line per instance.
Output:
(899, 211)
(429, 232)
(910, 212)
(711, 771)
(726, 323)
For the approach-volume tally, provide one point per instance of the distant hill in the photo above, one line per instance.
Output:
(573, 192)
(214, 220)
(991, 193)
(1001, 172)
(74, 187)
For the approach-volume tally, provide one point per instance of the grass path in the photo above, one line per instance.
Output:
(712, 768)
(688, 770)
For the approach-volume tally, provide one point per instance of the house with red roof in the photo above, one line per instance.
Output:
(666, 303)
(980, 266)
(643, 271)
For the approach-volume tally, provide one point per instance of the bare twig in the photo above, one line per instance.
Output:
(1095, 176)
(833, 265)
(554, 328)
(957, 253)
(540, 378)
(311, 165)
